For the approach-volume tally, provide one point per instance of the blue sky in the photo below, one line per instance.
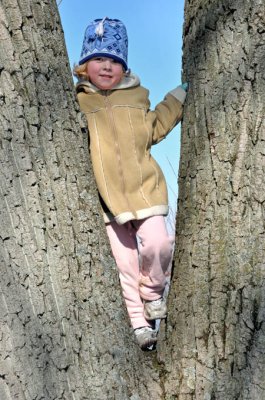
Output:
(154, 30)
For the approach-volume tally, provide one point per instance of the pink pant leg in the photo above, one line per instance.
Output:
(155, 249)
(124, 248)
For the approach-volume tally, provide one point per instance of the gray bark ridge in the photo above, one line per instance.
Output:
(215, 333)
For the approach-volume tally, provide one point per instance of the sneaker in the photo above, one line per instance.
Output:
(155, 309)
(146, 337)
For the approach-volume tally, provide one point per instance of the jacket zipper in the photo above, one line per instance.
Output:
(112, 123)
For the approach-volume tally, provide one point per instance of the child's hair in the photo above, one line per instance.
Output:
(80, 71)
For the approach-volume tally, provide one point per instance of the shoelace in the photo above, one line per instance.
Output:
(144, 329)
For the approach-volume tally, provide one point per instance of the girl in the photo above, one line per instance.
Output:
(131, 185)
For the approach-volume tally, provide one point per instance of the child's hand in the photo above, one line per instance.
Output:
(185, 86)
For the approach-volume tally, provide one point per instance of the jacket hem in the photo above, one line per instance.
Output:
(139, 214)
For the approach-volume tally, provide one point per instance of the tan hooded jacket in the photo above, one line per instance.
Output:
(122, 130)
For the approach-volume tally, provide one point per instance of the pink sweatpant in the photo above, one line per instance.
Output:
(142, 251)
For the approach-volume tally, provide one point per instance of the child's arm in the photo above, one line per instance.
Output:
(169, 112)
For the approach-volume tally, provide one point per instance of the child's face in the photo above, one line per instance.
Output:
(104, 72)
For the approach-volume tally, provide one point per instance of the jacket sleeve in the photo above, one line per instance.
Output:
(168, 114)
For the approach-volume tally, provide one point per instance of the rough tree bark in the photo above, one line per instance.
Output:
(64, 331)
(214, 340)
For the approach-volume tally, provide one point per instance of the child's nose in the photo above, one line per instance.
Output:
(107, 64)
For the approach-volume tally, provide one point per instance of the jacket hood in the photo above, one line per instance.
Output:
(127, 82)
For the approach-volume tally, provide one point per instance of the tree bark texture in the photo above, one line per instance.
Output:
(214, 340)
(64, 331)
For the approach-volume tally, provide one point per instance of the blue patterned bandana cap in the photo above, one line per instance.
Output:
(105, 38)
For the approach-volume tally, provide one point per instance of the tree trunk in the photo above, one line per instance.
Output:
(64, 331)
(214, 340)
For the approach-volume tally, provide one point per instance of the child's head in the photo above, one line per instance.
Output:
(105, 46)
